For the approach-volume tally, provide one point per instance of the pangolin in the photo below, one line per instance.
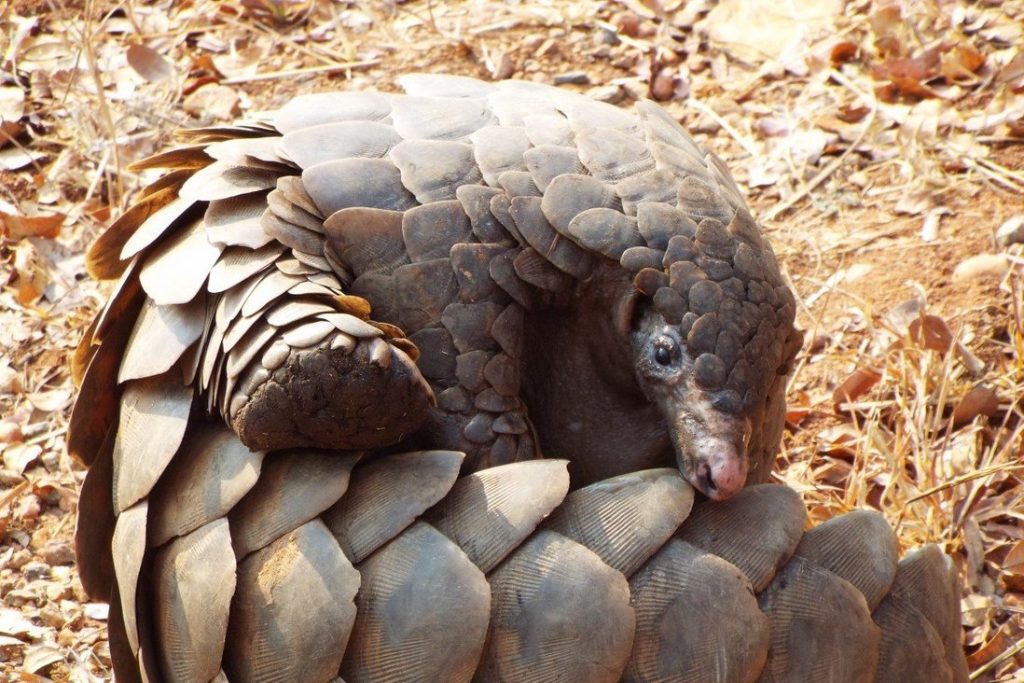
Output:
(328, 313)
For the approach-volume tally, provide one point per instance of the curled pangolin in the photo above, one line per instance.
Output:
(456, 281)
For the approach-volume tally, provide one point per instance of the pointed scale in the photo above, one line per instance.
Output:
(193, 581)
(293, 609)
(213, 471)
(756, 530)
(128, 546)
(821, 630)
(294, 487)
(557, 613)
(697, 620)
(387, 494)
(490, 512)
(151, 426)
(858, 546)
(160, 337)
(422, 612)
(94, 525)
(625, 519)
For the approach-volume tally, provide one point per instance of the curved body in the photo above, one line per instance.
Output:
(456, 281)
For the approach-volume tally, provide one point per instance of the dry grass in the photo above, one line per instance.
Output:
(879, 152)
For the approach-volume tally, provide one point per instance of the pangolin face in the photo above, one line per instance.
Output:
(710, 427)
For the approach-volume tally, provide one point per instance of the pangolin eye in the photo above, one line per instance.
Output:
(664, 351)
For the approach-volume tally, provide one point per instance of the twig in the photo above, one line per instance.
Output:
(101, 97)
(288, 73)
(13, 493)
(996, 661)
(964, 478)
(735, 134)
(784, 206)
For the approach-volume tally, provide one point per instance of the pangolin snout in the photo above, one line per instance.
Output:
(711, 450)
(723, 473)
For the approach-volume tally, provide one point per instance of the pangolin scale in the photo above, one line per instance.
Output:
(344, 333)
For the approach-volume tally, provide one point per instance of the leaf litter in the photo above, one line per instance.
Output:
(879, 143)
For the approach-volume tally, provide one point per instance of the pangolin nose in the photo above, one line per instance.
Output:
(709, 482)
(726, 475)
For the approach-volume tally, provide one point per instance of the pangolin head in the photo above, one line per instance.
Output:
(711, 330)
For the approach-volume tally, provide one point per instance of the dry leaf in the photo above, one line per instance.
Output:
(214, 101)
(31, 226)
(49, 401)
(858, 383)
(852, 114)
(997, 644)
(1011, 231)
(930, 332)
(40, 657)
(960, 63)
(755, 30)
(930, 224)
(32, 275)
(12, 103)
(1012, 571)
(844, 51)
(149, 63)
(838, 441)
(13, 158)
(18, 456)
(977, 401)
(798, 407)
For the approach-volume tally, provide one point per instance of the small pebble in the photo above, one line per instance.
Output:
(573, 78)
(34, 571)
(97, 610)
(10, 432)
(1011, 231)
(982, 266)
(57, 554)
(20, 559)
(663, 87)
(51, 616)
(612, 94)
(9, 479)
(628, 24)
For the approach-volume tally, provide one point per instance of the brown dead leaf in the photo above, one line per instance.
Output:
(798, 407)
(998, 643)
(41, 657)
(97, 209)
(961, 63)
(1012, 571)
(47, 226)
(844, 51)
(858, 383)
(886, 24)
(14, 158)
(213, 102)
(149, 63)
(978, 401)
(981, 267)
(32, 276)
(852, 114)
(901, 86)
(838, 441)
(923, 67)
(930, 332)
